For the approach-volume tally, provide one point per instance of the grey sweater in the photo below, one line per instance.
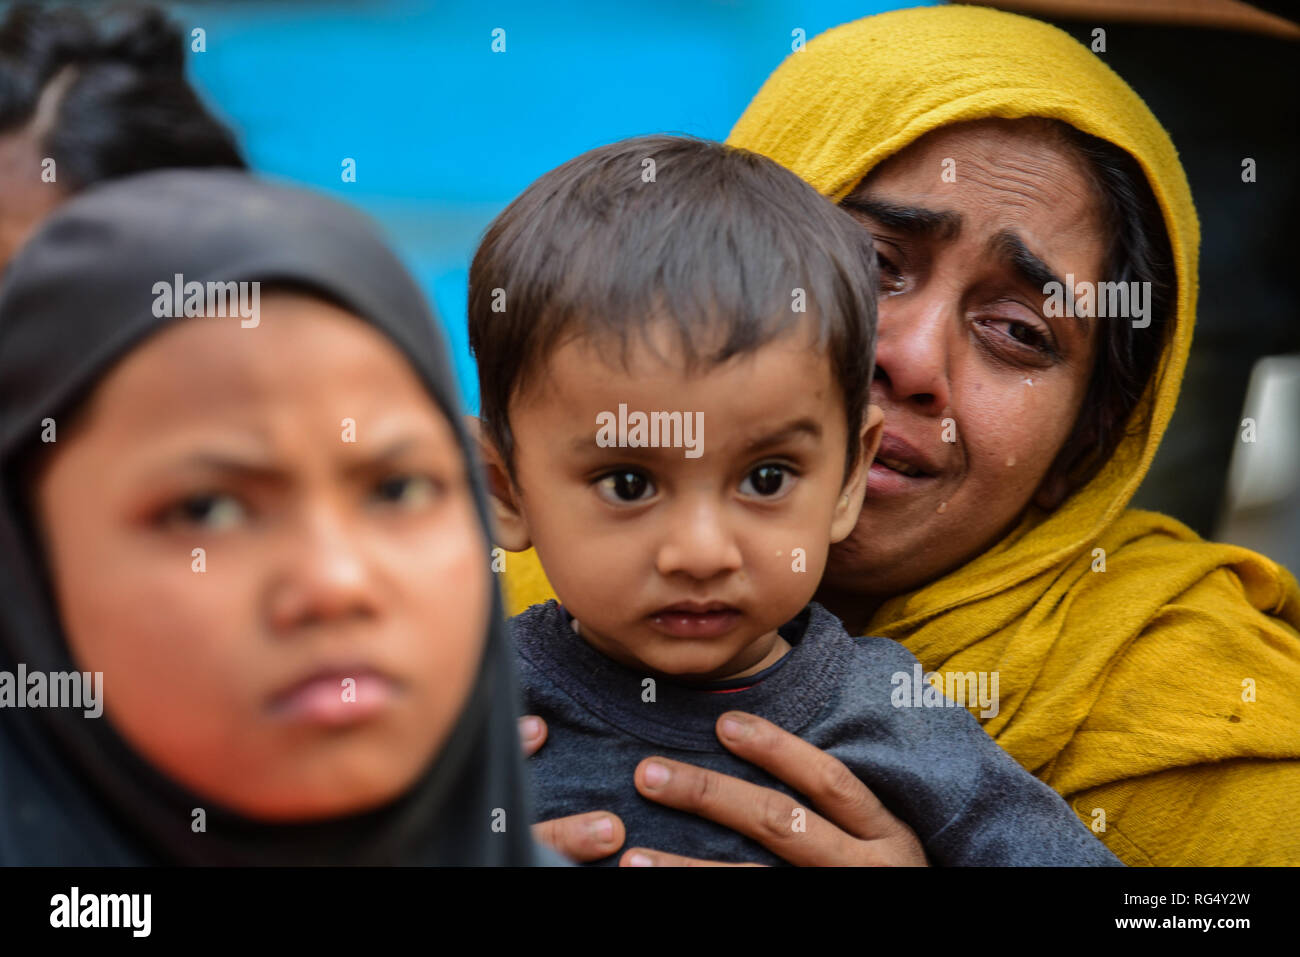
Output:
(968, 801)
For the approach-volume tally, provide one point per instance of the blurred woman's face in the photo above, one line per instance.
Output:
(25, 197)
(266, 540)
(979, 387)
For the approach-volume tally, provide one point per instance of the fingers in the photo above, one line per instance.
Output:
(582, 837)
(831, 787)
(785, 827)
(532, 733)
(644, 857)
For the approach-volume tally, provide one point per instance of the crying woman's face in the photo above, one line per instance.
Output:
(266, 540)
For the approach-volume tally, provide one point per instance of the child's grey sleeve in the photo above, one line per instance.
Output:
(934, 766)
(1015, 819)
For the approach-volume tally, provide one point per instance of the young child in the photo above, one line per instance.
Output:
(675, 344)
(255, 533)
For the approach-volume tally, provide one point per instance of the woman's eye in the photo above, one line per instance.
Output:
(1023, 334)
(891, 279)
(626, 486)
(766, 481)
(406, 491)
(212, 512)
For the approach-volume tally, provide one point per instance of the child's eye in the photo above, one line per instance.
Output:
(625, 486)
(767, 481)
(213, 512)
(407, 491)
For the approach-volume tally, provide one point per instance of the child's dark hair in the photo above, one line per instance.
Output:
(723, 244)
(123, 104)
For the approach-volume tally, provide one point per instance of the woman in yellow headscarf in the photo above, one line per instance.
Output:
(1150, 677)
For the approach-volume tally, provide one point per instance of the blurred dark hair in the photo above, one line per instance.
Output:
(126, 107)
(1138, 251)
(716, 245)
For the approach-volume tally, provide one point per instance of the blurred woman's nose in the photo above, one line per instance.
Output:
(913, 343)
(698, 542)
(324, 575)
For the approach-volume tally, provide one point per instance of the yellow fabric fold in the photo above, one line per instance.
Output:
(1161, 696)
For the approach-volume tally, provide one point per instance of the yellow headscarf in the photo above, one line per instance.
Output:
(1161, 695)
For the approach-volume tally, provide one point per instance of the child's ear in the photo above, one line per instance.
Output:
(849, 507)
(509, 527)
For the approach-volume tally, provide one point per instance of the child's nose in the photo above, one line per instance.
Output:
(698, 543)
(323, 577)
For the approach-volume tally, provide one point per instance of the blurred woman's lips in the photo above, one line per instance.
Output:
(899, 468)
(334, 697)
(693, 619)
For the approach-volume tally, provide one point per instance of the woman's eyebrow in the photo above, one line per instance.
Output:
(935, 223)
(368, 461)
(1011, 249)
(256, 466)
(246, 465)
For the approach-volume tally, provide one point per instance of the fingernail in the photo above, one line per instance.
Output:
(656, 775)
(532, 728)
(603, 830)
(640, 860)
(733, 729)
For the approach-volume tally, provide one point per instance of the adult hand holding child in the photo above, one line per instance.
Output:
(856, 829)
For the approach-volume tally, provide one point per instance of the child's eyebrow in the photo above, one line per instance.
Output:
(799, 428)
(584, 443)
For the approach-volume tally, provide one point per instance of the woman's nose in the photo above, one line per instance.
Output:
(698, 543)
(324, 576)
(913, 340)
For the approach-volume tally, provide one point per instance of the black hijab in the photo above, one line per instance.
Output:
(77, 298)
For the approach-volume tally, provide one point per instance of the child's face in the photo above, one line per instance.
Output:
(678, 564)
(312, 660)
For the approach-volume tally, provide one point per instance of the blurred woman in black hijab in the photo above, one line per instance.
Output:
(90, 96)
(237, 500)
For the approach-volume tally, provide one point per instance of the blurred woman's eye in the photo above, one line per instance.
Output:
(212, 512)
(625, 486)
(406, 491)
(767, 481)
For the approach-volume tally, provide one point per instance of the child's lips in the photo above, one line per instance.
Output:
(335, 697)
(696, 619)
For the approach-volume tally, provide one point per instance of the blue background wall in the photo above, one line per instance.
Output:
(445, 132)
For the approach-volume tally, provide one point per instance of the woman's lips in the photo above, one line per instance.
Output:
(882, 480)
(335, 698)
(899, 467)
(696, 620)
